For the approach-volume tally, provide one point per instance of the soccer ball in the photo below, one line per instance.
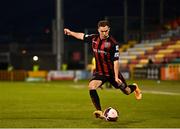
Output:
(111, 114)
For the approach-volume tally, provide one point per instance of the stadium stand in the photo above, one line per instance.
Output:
(149, 58)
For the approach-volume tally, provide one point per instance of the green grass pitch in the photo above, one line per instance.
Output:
(66, 104)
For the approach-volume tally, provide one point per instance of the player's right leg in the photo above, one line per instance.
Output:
(131, 88)
(127, 89)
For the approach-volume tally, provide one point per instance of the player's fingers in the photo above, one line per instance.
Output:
(65, 31)
(120, 81)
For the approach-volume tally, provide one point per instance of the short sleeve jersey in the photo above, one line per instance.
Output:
(105, 51)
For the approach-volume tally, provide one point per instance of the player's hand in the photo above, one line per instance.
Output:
(118, 80)
(67, 31)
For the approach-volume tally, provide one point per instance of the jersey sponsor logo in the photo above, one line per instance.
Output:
(99, 51)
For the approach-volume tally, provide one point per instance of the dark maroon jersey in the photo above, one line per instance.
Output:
(105, 51)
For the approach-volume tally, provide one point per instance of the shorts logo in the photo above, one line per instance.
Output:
(107, 44)
(86, 35)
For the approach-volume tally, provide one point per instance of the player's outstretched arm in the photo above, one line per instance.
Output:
(77, 35)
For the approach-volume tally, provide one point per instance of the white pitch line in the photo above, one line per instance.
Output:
(160, 92)
(78, 86)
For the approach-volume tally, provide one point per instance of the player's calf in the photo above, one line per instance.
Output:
(124, 88)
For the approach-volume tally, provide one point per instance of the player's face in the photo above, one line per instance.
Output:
(104, 32)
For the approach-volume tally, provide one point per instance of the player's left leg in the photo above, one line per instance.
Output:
(96, 82)
(93, 85)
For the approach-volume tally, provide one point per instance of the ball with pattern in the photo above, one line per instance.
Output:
(111, 114)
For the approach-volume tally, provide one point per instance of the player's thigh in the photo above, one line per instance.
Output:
(113, 82)
(94, 84)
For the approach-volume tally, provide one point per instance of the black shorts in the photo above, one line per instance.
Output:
(110, 79)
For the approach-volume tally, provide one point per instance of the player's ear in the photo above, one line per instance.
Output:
(99, 30)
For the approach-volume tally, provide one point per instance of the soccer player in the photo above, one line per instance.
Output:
(106, 53)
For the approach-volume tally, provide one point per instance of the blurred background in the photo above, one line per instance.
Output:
(33, 46)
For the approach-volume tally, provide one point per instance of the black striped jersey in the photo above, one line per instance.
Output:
(105, 51)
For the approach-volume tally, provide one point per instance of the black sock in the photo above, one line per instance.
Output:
(95, 99)
(132, 87)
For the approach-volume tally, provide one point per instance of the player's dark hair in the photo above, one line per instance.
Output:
(103, 23)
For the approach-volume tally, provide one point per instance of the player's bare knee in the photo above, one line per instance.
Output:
(91, 87)
(94, 84)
